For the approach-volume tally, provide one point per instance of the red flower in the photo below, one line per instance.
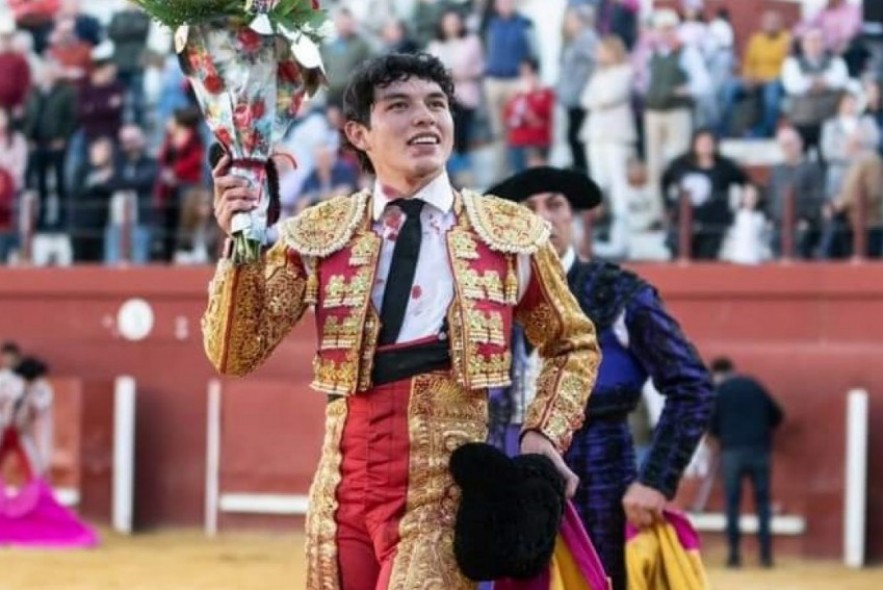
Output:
(242, 117)
(249, 40)
(315, 4)
(296, 101)
(289, 72)
(213, 83)
(258, 109)
(224, 137)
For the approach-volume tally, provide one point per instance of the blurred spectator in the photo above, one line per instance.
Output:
(134, 175)
(100, 107)
(840, 23)
(621, 19)
(86, 26)
(74, 54)
(577, 64)
(759, 86)
(855, 171)
(50, 121)
(528, 116)
(35, 17)
(199, 237)
(712, 184)
(15, 73)
(8, 226)
(677, 78)
(128, 30)
(803, 180)
(427, 16)
(314, 127)
(13, 151)
(743, 421)
(722, 47)
(343, 53)
(748, 238)
(874, 104)
(695, 33)
(174, 95)
(609, 131)
(508, 42)
(10, 356)
(461, 52)
(331, 176)
(396, 39)
(91, 201)
(813, 82)
(180, 169)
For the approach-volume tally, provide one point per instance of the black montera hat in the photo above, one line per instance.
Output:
(580, 190)
(510, 512)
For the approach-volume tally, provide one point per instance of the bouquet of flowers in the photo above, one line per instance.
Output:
(251, 63)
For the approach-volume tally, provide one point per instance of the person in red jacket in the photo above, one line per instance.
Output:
(15, 73)
(528, 117)
(180, 168)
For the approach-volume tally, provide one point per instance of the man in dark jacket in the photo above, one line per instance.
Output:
(743, 421)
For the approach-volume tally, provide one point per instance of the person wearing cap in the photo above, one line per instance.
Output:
(415, 287)
(677, 80)
(639, 340)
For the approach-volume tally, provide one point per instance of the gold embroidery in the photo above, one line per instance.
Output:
(321, 527)
(487, 285)
(486, 369)
(567, 343)
(363, 250)
(250, 309)
(463, 246)
(505, 226)
(330, 376)
(325, 228)
(369, 346)
(340, 333)
(442, 416)
(342, 293)
(486, 327)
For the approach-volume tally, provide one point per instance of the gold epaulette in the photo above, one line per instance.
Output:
(325, 228)
(503, 225)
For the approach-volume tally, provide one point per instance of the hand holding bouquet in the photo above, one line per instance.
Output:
(251, 63)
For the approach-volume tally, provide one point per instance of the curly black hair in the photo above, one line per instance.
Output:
(380, 72)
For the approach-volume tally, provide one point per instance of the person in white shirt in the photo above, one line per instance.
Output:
(415, 287)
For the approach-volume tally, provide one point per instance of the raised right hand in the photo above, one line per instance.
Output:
(232, 195)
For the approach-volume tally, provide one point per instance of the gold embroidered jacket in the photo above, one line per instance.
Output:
(327, 258)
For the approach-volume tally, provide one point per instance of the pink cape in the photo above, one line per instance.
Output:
(34, 518)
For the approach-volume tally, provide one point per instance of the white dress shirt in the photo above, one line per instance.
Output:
(433, 288)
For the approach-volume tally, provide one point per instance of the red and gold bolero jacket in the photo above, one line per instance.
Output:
(327, 258)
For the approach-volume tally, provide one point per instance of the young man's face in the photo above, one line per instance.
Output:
(411, 132)
(554, 208)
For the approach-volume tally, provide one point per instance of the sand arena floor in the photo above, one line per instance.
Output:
(172, 560)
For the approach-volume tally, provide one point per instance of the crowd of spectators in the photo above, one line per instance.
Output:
(103, 149)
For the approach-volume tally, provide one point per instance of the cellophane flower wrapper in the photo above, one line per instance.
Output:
(249, 86)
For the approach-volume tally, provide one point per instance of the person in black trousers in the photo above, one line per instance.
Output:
(743, 422)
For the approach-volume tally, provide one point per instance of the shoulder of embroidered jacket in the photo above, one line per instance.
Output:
(326, 228)
(503, 225)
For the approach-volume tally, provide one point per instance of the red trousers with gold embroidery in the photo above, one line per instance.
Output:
(383, 503)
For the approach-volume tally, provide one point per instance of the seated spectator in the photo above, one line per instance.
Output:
(760, 82)
(528, 117)
(180, 169)
(855, 179)
(330, 177)
(710, 181)
(13, 150)
(874, 104)
(840, 23)
(748, 238)
(813, 82)
(199, 238)
(802, 180)
(133, 181)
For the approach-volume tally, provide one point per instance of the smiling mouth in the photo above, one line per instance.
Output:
(425, 139)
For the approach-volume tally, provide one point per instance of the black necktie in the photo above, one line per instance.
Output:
(401, 271)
